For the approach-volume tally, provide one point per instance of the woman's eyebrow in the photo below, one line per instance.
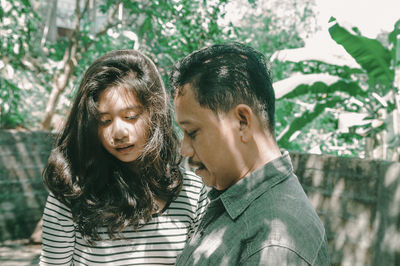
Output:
(136, 108)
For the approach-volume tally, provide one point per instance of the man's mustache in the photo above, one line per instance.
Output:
(195, 164)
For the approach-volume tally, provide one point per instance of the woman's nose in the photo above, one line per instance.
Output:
(120, 131)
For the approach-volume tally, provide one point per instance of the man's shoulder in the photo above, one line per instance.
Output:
(290, 207)
(286, 220)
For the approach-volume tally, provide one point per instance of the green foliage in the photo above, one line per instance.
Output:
(172, 30)
(17, 27)
(268, 31)
(165, 30)
(321, 90)
(10, 117)
(321, 97)
(363, 90)
(373, 57)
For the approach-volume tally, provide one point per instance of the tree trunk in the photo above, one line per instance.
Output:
(50, 28)
(72, 55)
(396, 112)
(60, 81)
(93, 9)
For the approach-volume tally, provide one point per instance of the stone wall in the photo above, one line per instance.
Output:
(359, 204)
(22, 194)
(357, 200)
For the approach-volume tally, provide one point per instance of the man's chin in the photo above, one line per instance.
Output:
(200, 172)
(205, 177)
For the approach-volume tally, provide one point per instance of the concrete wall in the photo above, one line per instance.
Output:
(359, 204)
(22, 194)
(357, 200)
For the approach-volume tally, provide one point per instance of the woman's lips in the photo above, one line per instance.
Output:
(125, 149)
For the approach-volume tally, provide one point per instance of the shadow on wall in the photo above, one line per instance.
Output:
(359, 204)
(22, 194)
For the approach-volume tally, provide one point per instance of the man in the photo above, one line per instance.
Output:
(258, 212)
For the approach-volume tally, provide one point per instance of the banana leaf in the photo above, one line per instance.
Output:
(306, 117)
(301, 84)
(373, 57)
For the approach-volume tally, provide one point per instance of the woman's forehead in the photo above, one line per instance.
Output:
(118, 95)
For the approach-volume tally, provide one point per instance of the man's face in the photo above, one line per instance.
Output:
(210, 141)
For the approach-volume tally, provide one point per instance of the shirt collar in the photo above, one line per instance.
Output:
(239, 196)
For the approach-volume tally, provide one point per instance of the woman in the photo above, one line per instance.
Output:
(117, 193)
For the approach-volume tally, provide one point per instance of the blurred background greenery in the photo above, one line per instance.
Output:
(340, 99)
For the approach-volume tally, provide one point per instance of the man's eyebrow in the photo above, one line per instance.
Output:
(184, 122)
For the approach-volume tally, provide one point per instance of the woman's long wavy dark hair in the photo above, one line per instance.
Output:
(100, 189)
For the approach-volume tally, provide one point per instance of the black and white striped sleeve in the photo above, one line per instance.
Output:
(202, 202)
(58, 237)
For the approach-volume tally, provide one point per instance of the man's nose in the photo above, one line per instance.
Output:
(186, 148)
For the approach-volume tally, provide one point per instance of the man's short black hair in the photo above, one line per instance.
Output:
(225, 75)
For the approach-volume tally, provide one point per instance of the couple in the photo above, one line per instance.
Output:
(119, 196)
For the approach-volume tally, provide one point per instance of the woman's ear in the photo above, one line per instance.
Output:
(243, 114)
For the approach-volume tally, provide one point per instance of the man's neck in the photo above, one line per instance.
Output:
(264, 149)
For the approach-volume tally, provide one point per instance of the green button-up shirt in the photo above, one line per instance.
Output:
(264, 219)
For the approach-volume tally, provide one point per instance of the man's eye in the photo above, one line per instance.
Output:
(192, 134)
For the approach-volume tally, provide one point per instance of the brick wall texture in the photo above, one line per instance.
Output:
(357, 200)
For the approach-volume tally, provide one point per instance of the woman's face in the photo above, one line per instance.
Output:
(122, 128)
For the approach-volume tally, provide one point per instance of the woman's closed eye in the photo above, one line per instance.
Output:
(105, 121)
(131, 117)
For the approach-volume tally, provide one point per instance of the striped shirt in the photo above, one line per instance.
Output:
(156, 243)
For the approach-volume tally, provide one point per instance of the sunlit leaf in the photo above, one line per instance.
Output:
(301, 84)
(306, 117)
(320, 55)
(369, 53)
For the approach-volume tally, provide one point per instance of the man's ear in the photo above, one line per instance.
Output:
(243, 114)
